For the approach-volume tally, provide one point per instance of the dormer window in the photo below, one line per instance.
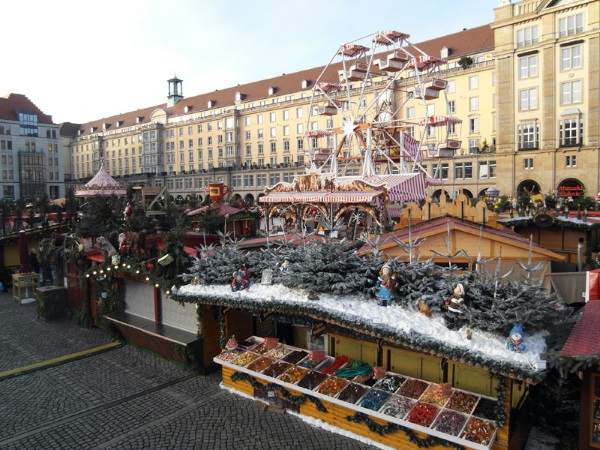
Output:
(105, 126)
(445, 52)
(138, 119)
(272, 90)
(305, 84)
(187, 108)
(239, 96)
(120, 123)
(212, 103)
(93, 129)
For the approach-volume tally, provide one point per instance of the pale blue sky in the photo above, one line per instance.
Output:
(82, 61)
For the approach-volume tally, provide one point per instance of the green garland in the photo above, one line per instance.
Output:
(501, 389)
(272, 387)
(429, 441)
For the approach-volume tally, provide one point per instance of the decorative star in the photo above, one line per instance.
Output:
(348, 127)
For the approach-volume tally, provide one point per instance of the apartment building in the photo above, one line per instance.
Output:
(31, 156)
(525, 89)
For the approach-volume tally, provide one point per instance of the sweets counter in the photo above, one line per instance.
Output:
(450, 414)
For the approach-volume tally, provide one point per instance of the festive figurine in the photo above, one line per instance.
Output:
(515, 339)
(246, 272)
(239, 282)
(232, 343)
(455, 313)
(385, 284)
(424, 308)
(128, 210)
(284, 266)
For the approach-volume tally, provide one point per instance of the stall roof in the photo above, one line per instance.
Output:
(584, 340)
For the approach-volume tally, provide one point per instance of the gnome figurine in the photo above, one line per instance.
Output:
(515, 339)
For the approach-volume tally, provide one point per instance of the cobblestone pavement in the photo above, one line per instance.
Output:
(126, 398)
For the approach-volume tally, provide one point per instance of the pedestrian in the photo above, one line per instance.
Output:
(34, 262)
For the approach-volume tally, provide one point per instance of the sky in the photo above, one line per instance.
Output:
(84, 61)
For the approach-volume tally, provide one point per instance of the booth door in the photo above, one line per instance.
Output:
(139, 299)
(181, 316)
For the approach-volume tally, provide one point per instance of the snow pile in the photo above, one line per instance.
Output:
(358, 309)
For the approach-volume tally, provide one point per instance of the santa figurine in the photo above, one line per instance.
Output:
(455, 308)
(128, 210)
(239, 282)
(515, 339)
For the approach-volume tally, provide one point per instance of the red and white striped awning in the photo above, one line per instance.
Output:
(433, 181)
(325, 87)
(401, 187)
(320, 197)
(389, 37)
(440, 121)
(317, 133)
(352, 50)
(426, 62)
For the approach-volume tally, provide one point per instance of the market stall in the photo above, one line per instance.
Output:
(393, 409)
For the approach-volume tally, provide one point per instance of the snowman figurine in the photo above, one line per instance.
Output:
(515, 339)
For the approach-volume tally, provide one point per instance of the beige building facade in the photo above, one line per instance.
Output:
(525, 89)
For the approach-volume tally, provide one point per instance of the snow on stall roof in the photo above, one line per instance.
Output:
(361, 310)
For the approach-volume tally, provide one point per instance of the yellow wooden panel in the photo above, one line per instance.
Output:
(350, 348)
(369, 354)
(431, 369)
(474, 379)
(300, 339)
(405, 363)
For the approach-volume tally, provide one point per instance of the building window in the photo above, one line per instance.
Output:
(274, 178)
(528, 66)
(487, 169)
(300, 144)
(451, 107)
(474, 104)
(248, 150)
(273, 132)
(451, 87)
(410, 112)
(570, 57)
(571, 92)
(248, 135)
(261, 180)
(528, 163)
(272, 117)
(528, 36)
(248, 181)
(286, 146)
(444, 171)
(473, 146)
(261, 149)
(570, 132)
(474, 125)
(259, 119)
(473, 82)
(273, 147)
(571, 161)
(299, 113)
(528, 99)
(261, 134)
(570, 25)
(528, 136)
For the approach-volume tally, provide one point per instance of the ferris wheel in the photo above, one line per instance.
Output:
(370, 112)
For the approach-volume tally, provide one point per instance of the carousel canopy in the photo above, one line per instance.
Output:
(101, 184)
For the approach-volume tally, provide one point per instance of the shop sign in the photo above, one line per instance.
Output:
(570, 191)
